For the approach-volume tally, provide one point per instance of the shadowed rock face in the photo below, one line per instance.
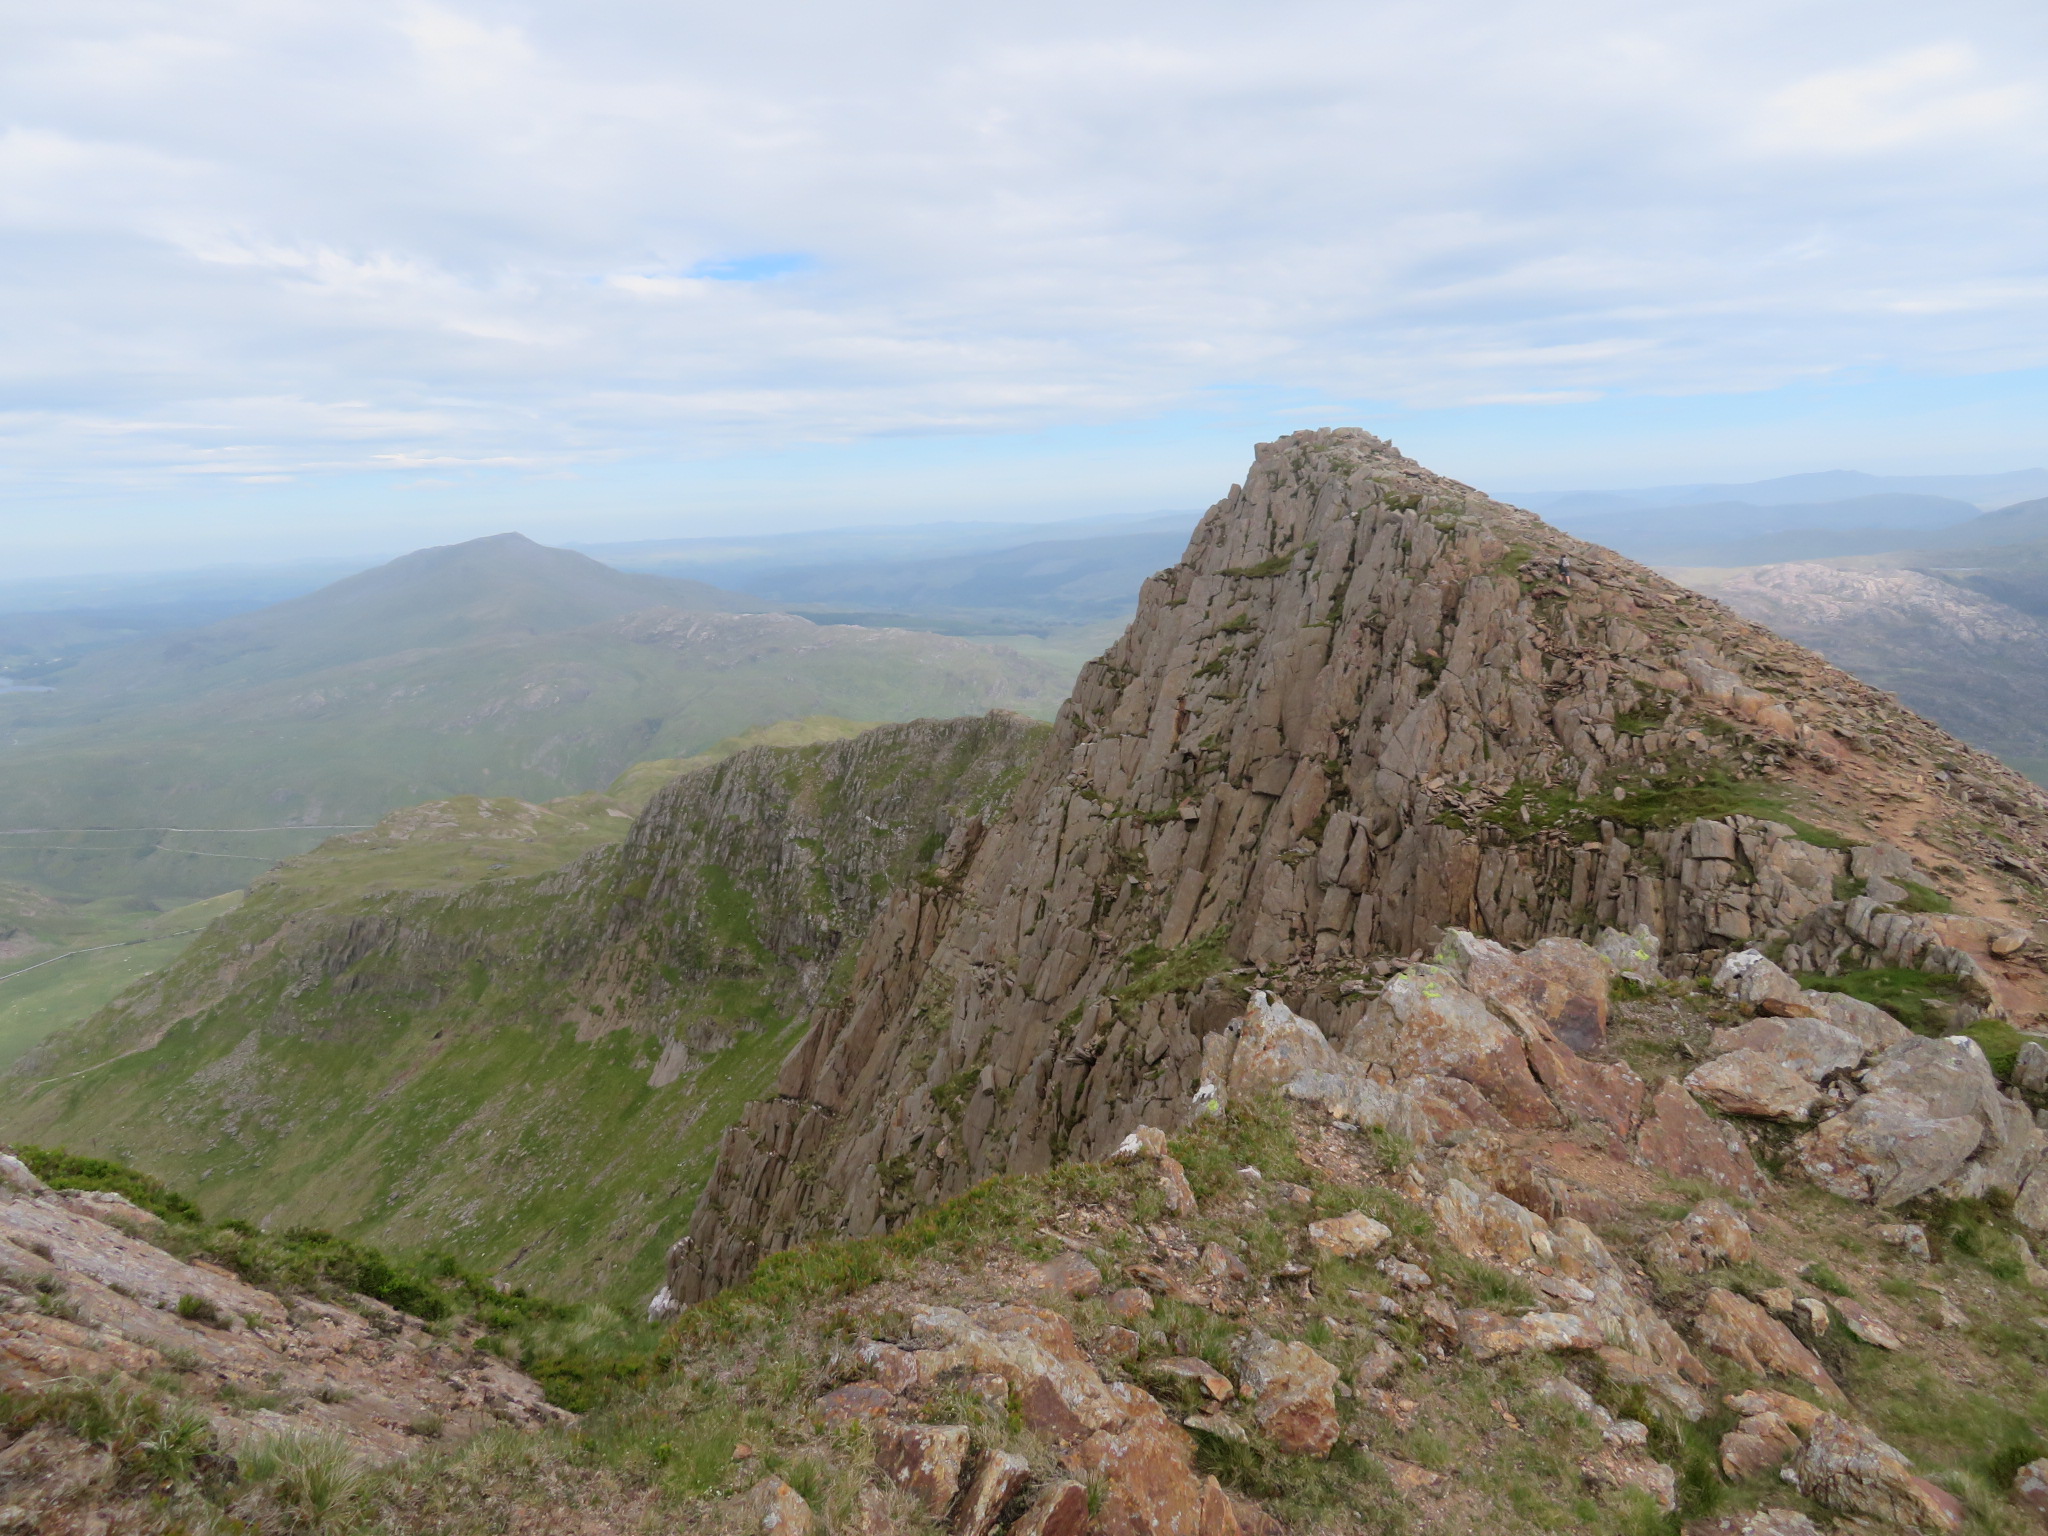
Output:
(1369, 704)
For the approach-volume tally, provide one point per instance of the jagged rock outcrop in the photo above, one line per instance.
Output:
(1369, 704)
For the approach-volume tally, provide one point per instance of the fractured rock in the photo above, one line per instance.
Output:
(1711, 1233)
(1561, 981)
(1204, 1375)
(1058, 1509)
(1845, 1467)
(1885, 1150)
(924, 1460)
(855, 1400)
(1293, 1393)
(1130, 1303)
(1747, 1334)
(1425, 1024)
(1616, 1468)
(1488, 1336)
(1679, 1137)
(1750, 1083)
(1813, 1048)
(1349, 1236)
(999, 1478)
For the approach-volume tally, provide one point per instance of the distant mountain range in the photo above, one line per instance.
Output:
(1981, 491)
(497, 666)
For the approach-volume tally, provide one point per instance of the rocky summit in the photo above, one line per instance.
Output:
(1368, 705)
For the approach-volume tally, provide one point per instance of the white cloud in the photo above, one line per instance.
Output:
(1924, 93)
(260, 239)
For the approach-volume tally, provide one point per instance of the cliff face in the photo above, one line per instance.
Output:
(1368, 704)
(531, 1072)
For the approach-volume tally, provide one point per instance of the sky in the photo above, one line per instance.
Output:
(280, 278)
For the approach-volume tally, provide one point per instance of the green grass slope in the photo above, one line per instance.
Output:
(528, 1067)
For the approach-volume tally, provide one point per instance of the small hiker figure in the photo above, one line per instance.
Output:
(1564, 569)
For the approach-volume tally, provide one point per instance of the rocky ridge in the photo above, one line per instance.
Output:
(1369, 705)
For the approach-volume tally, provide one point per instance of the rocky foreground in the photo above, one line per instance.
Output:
(1542, 1290)
(119, 1359)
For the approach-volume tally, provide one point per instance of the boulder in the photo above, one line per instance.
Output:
(855, 1400)
(2030, 1210)
(924, 1460)
(1562, 982)
(1130, 1303)
(1760, 1443)
(1278, 1051)
(1348, 1236)
(1204, 1375)
(1749, 976)
(2030, 1067)
(1813, 1048)
(1425, 1024)
(774, 1508)
(1711, 1233)
(1293, 1392)
(1488, 1336)
(1380, 1363)
(1877, 1030)
(1679, 1137)
(1743, 1331)
(1846, 1468)
(1885, 1149)
(1754, 1085)
(1795, 1411)
(1058, 1509)
(1592, 1092)
(999, 1479)
(1866, 1324)
(1067, 1275)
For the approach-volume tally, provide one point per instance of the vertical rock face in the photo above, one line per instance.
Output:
(1369, 704)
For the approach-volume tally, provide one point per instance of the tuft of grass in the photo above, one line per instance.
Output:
(1155, 971)
(1910, 996)
(200, 1309)
(1823, 1278)
(1528, 809)
(66, 1170)
(308, 1480)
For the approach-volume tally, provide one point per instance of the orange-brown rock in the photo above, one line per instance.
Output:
(1000, 1478)
(1711, 1233)
(855, 1400)
(1293, 1393)
(925, 1460)
(1679, 1137)
(1743, 1331)
(1845, 1467)
(1058, 1509)
(1067, 1275)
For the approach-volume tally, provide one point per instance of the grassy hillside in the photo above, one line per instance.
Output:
(490, 1026)
(65, 963)
(60, 963)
